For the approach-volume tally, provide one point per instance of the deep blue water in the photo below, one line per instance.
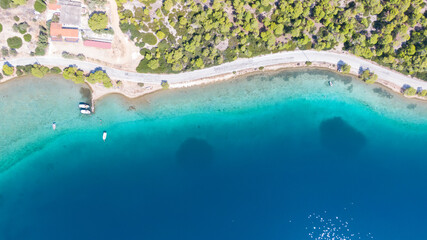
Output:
(248, 159)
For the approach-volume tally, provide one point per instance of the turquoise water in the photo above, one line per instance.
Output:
(265, 157)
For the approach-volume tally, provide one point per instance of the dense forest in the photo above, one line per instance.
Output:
(178, 35)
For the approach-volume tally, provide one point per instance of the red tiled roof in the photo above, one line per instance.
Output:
(91, 43)
(53, 6)
(57, 30)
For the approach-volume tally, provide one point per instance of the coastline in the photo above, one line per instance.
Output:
(180, 95)
(151, 82)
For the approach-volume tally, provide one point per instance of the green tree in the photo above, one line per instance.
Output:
(345, 68)
(410, 91)
(55, 70)
(397, 37)
(39, 70)
(153, 64)
(165, 84)
(8, 69)
(149, 38)
(19, 2)
(199, 63)
(27, 37)
(98, 21)
(160, 35)
(98, 76)
(167, 5)
(368, 76)
(5, 52)
(14, 42)
(423, 93)
(107, 84)
(74, 74)
(40, 6)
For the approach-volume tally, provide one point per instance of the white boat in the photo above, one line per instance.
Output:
(84, 105)
(53, 126)
(85, 111)
(330, 83)
(104, 135)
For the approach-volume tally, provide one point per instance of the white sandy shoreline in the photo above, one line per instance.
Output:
(271, 62)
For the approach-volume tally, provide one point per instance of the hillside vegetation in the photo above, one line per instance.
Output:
(196, 34)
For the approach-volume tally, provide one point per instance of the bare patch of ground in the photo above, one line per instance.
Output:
(223, 45)
(126, 88)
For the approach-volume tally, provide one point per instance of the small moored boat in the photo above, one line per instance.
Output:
(84, 105)
(330, 83)
(84, 111)
(53, 126)
(104, 135)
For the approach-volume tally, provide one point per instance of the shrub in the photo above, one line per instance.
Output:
(165, 84)
(40, 6)
(1, 27)
(27, 37)
(105, 31)
(261, 68)
(149, 38)
(21, 28)
(67, 55)
(8, 69)
(410, 91)
(140, 84)
(19, 72)
(5, 4)
(14, 42)
(40, 51)
(423, 93)
(5, 52)
(13, 52)
(26, 68)
(98, 21)
(308, 63)
(55, 18)
(39, 70)
(81, 56)
(16, 18)
(55, 70)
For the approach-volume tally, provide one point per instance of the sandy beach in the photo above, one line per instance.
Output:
(266, 63)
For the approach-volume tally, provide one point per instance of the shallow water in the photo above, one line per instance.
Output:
(265, 157)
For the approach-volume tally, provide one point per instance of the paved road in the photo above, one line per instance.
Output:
(356, 63)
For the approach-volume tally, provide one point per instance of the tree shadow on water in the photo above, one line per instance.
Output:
(194, 153)
(86, 94)
(339, 137)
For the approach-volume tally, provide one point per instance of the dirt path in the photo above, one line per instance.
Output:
(127, 53)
